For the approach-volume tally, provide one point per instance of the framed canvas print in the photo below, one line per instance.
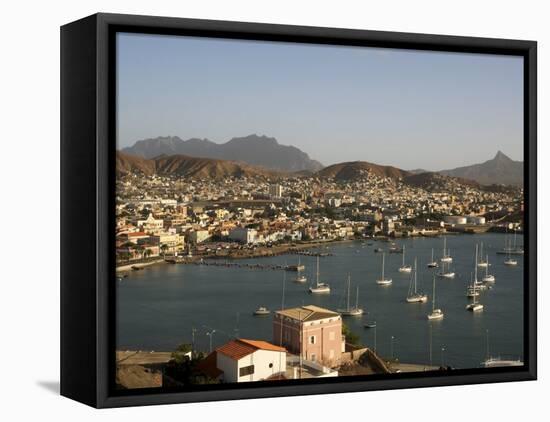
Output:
(253, 210)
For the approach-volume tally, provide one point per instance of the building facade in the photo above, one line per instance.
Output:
(243, 360)
(310, 331)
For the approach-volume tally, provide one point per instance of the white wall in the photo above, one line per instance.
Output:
(30, 169)
(260, 359)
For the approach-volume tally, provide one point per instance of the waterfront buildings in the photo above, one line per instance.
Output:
(311, 332)
(242, 360)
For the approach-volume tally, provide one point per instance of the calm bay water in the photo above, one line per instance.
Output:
(158, 306)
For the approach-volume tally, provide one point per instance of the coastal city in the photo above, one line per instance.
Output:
(241, 221)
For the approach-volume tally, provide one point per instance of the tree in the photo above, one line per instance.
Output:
(164, 249)
(351, 337)
(148, 252)
(183, 368)
(139, 249)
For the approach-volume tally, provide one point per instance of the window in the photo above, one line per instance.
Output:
(246, 370)
(331, 335)
(312, 340)
(271, 365)
(313, 357)
(331, 354)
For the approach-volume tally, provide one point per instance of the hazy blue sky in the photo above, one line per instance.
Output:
(411, 109)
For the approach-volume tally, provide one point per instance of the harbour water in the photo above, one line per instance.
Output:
(158, 307)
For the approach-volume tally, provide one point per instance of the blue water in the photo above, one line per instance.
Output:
(158, 307)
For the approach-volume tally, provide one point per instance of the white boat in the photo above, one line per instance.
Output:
(481, 262)
(496, 362)
(499, 362)
(446, 257)
(404, 268)
(414, 296)
(262, 310)
(474, 306)
(445, 273)
(349, 311)
(510, 249)
(509, 261)
(432, 263)
(300, 278)
(319, 287)
(488, 278)
(436, 312)
(383, 281)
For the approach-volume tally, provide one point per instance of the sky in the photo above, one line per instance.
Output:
(408, 108)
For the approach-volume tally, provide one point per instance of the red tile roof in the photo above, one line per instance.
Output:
(208, 366)
(263, 345)
(239, 348)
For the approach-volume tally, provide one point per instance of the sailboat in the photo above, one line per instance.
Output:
(436, 312)
(481, 262)
(348, 311)
(383, 281)
(432, 263)
(488, 278)
(509, 261)
(474, 306)
(495, 362)
(404, 268)
(472, 290)
(446, 257)
(319, 287)
(446, 273)
(300, 278)
(413, 296)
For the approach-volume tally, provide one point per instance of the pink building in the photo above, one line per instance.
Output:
(310, 331)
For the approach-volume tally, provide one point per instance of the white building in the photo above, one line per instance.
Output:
(455, 219)
(199, 236)
(243, 360)
(150, 224)
(276, 190)
(244, 235)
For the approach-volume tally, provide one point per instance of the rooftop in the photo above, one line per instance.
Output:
(239, 348)
(308, 313)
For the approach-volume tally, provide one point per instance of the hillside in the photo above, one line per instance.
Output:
(356, 169)
(184, 166)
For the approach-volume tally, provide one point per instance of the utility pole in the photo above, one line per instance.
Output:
(193, 331)
(210, 334)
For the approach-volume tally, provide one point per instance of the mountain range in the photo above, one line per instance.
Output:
(499, 170)
(256, 155)
(252, 149)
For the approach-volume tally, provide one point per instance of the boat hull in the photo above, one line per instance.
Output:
(383, 282)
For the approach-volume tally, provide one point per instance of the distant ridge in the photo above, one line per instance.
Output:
(499, 170)
(185, 166)
(252, 149)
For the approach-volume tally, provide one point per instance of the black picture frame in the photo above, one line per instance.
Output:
(87, 231)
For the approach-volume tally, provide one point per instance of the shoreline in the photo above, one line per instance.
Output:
(268, 252)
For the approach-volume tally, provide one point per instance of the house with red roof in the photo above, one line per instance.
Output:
(242, 360)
